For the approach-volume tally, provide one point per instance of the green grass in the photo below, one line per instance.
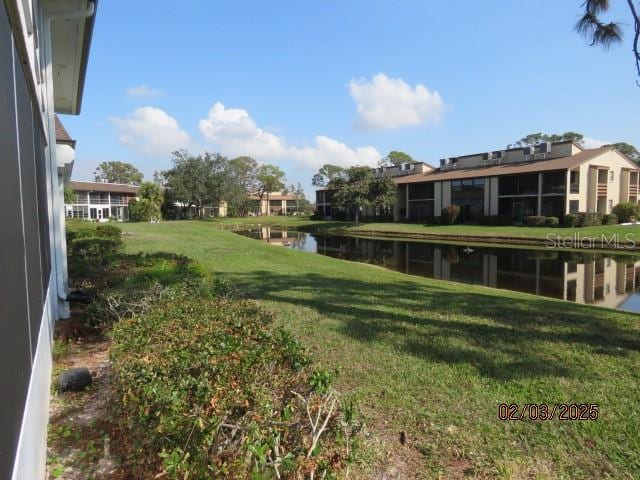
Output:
(435, 359)
(414, 229)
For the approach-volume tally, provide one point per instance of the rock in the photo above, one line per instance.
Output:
(74, 380)
(78, 295)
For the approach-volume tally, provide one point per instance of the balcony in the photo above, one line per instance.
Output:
(574, 188)
(602, 190)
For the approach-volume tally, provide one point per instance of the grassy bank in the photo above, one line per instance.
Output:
(626, 234)
(434, 359)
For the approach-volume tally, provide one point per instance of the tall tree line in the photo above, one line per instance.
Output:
(195, 181)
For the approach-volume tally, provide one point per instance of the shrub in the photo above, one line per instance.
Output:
(143, 210)
(626, 212)
(570, 220)
(589, 219)
(551, 221)
(208, 388)
(108, 231)
(610, 219)
(449, 214)
(535, 221)
(90, 247)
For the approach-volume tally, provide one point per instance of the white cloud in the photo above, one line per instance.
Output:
(389, 103)
(235, 133)
(588, 142)
(151, 131)
(144, 91)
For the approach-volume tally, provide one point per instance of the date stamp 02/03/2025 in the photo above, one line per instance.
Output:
(548, 411)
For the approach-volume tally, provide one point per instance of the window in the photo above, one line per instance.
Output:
(518, 185)
(553, 182)
(420, 191)
(610, 203)
(574, 206)
(611, 176)
(574, 181)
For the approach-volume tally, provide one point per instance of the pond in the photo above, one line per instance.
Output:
(603, 279)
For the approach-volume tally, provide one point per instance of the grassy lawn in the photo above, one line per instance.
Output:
(410, 229)
(434, 359)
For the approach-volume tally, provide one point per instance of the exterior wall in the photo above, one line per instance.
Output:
(30, 254)
(32, 244)
(617, 191)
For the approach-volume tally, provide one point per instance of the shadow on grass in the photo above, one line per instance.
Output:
(500, 337)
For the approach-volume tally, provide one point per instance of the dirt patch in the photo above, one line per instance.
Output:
(79, 445)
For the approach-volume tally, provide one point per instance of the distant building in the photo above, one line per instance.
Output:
(276, 203)
(44, 50)
(550, 179)
(101, 201)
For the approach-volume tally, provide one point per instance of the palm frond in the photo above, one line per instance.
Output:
(607, 34)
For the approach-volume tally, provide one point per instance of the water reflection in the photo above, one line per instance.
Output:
(606, 280)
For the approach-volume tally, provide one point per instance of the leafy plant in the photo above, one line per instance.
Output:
(450, 214)
(207, 387)
(626, 211)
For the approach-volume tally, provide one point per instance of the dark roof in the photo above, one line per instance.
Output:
(104, 187)
(62, 136)
(561, 163)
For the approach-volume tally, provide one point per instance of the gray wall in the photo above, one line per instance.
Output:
(24, 241)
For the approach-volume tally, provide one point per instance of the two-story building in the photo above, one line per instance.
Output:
(550, 179)
(100, 201)
(276, 203)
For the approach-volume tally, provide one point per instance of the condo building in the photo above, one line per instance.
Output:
(100, 201)
(549, 179)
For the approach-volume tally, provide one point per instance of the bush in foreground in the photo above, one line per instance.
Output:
(208, 388)
(90, 247)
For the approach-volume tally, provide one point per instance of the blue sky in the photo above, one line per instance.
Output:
(299, 84)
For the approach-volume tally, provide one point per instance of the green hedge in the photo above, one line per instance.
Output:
(535, 221)
(207, 388)
(90, 248)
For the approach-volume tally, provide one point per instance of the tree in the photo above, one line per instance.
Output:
(269, 179)
(147, 208)
(628, 150)
(197, 180)
(69, 195)
(604, 34)
(396, 158)
(327, 173)
(536, 138)
(117, 172)
(360, 187)
(242, 182)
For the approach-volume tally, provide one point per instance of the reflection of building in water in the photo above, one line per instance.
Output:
(581, 278)
(573, 276)
(275, 236)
